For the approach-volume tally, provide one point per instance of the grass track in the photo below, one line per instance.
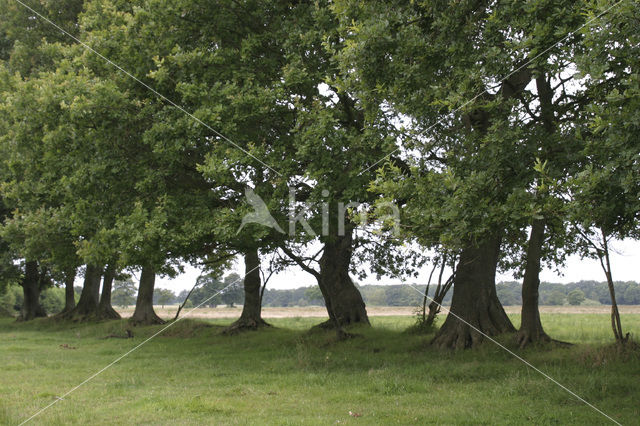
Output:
(192, 375)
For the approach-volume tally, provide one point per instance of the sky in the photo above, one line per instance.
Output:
(625, 264)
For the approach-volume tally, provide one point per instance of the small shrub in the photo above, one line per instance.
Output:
(11, 300)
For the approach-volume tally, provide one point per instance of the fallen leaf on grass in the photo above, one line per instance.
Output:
(352, 414)
(66, 346)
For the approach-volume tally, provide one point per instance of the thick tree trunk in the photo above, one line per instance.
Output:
(31, 307)
(87, 307)
(342, 299)
(251, 317)
(531, 330)
(475, 305)
(69, 292)
(144, 313)
(105, 310)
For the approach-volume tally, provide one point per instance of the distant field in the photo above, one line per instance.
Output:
(320, 312)
(285, 375)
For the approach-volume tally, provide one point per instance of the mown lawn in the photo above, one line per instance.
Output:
(286, 375)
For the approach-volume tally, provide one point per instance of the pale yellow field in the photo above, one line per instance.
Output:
(318, 311)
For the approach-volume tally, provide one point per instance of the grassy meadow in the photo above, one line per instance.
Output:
(191, 374)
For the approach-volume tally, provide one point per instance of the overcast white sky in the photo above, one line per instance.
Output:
(625, 266)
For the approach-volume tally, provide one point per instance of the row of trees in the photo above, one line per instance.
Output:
(504, 134)
(509, 294)
(627, 293)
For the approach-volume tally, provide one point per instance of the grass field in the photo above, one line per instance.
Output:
(285, 375)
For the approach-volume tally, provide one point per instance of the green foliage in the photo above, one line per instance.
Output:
(313, 295)
(11, 299)
(575, 297)
(216, 291)
(631, 295)
(163, 296)
(556, 297)
(293, 297)
(95, 168)
(234, 292)
(52, 300)
(22, 33)
(123, 293)
(607, 191)
(208, 287)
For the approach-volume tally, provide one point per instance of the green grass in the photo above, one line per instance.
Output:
(285, 375)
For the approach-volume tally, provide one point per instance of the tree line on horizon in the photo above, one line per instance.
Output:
(591, 293)
(504, 135)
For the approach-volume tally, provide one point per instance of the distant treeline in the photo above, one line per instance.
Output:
(509, 293)
(627, 293)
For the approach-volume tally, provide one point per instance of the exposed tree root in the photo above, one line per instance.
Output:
(108, 313)
(245, 324)
(531, 337)
(343, 321)
(325, 325)
(147, 318)
(455, 334)
(33, 314)
(526, 338)
(78, 314)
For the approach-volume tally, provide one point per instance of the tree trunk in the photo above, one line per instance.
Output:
(475, 305)
(87, 307)
(251, 317)
(144, 313)
(438, 297)
(616, 325)
(31, 307)
(69, 292)
(531, 330)
(105, 310)
(342, 299)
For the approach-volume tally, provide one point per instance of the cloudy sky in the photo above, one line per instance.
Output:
(625, 265)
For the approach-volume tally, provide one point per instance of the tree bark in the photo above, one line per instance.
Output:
(605, 262)
(531, 330)
(251, 317)
(87, 307)
(31, 282)
(105, 310)
(343, 300)
(69, 292)
(144, 313)
(436, 303)
(475, 305)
